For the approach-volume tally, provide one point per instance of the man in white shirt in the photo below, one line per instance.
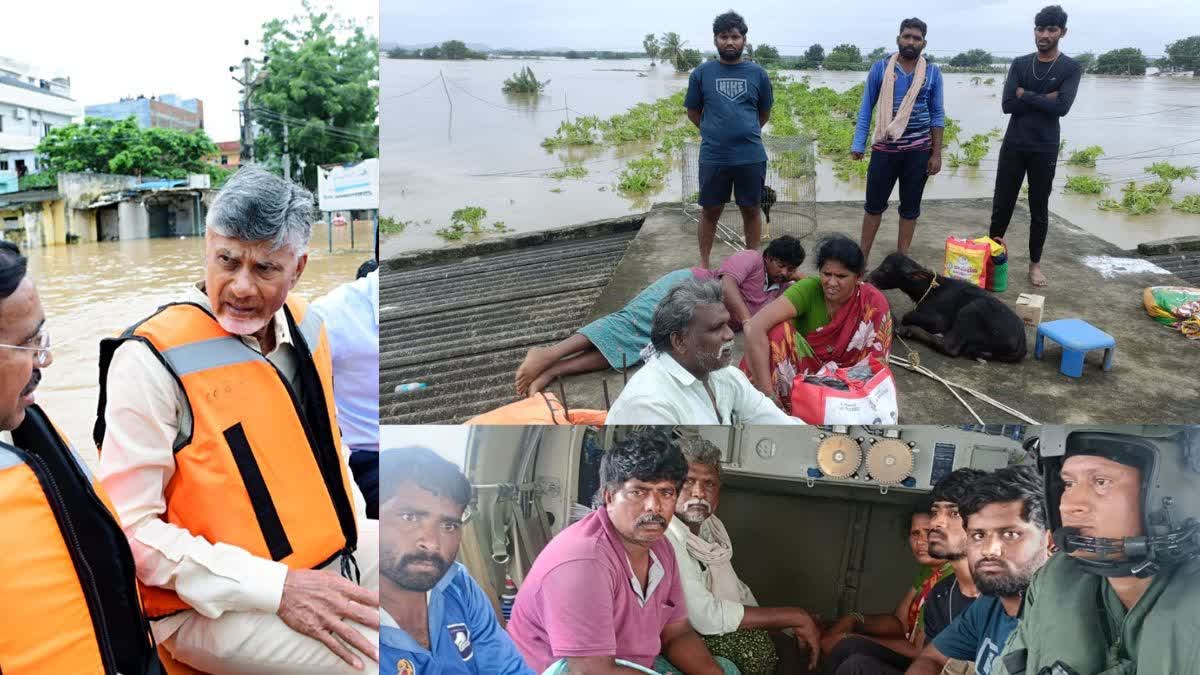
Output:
(720, 607)
(351, 314)
(221, 453)
(690, 380)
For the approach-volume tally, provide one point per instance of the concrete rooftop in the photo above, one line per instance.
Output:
(470, 371)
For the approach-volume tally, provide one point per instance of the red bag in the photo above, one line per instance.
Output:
(870, 402)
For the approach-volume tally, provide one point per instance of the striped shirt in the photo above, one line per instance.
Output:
(927, 112)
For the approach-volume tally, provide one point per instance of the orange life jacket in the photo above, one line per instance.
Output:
(68, 598)
(262, 469)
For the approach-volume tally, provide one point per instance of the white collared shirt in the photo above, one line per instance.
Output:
(664, 392)
(653, 579)
(707, 613)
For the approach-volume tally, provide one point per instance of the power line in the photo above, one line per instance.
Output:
(411, 91)
(504, 107)
(338, 132)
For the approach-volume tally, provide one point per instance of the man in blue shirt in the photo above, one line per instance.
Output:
(1007, 541)
(730, 100)
(907, 142)
(434, 618)
(351, 316)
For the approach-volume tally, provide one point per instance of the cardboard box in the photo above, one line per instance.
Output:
(1029, 308)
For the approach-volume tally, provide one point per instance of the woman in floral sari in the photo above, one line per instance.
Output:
(833, 317)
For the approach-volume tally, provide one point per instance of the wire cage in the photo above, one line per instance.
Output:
(791, 173)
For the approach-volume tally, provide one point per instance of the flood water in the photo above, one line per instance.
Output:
(464, 142)
(94, 290)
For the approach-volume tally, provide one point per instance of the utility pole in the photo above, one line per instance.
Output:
(251, 78)
(287, 161)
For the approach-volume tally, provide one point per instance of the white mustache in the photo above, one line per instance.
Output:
(727, 348)
(697, 502)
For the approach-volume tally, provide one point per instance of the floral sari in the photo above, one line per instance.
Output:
(861, 328)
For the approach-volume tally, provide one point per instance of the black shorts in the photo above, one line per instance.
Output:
(911, 168)
(718, 181)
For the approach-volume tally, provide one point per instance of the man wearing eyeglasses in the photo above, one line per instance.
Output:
(66, 566)
(434, 618)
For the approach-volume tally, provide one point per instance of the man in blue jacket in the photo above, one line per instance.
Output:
(434, 618)
(906, 94)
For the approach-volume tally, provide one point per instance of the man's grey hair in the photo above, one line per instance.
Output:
(677, 308)
(697, 450)
(256, 205)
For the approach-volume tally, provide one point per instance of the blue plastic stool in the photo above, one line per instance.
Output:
(1077, 338)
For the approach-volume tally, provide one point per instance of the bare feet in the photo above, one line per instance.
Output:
(1035, 275)
(536, 363)
(541, 382)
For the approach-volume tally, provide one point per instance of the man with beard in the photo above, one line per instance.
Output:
(66, 573)
(859, 643)
(909, 124)
(1038, 92)
(434, 618)
(1009, 539)
(948, 541)
(1123, 592)
(689, 380)
(730, 100)
(720, 607)
(605, 594)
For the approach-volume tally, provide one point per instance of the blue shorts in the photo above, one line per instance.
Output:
(719, 181)
(911, 168)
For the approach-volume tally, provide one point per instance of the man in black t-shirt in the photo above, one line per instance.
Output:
(1039, 90)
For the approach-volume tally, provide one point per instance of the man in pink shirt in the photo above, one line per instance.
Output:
(751, 279)
(606, 591)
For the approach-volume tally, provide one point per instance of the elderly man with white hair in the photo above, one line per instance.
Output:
(720, 607)
(220, 448)
(689, 379)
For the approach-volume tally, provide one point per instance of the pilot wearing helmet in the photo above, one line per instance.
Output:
(1122, 595)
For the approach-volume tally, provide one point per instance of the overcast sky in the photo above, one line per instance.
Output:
(1005, 27)
(130, 47)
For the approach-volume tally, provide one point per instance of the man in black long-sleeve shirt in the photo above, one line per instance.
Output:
(1039, 90)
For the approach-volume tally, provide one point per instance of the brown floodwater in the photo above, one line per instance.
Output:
(464, 142)
(95, 290)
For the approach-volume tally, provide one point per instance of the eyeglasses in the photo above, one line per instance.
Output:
(40, 347)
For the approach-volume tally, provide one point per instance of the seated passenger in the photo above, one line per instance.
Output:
(894, 639)
(689, 380)
(1008, 541)
(720, 607)
(606, 590)
(835, 316)
(434, 618)
(750, 280)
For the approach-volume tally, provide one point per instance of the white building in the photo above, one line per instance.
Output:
(32, 103)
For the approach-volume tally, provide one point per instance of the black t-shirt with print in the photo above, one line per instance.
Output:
(945, 603)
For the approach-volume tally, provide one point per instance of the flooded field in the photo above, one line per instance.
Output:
(462, 142)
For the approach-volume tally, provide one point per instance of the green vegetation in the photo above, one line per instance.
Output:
(450, 50)
(1183, 56)
(569, 172)
(1127, 61)
(1138, 200)
(1086, 156)
(556, 190)
(1169, 172)
(973, 151)
(122, 147)
(765, 55)
(643, 174)
(1086, 185)
(975, 58)
(524, 82)
(795, 164)
(845, 57)
(389, 225)
(1189, 204)
(650, 44)
(990, 81)
(468, 219)
(642, 122)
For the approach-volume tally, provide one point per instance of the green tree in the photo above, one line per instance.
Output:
(1184, 55)
(670, 46)
(650, 44)
(814, 57)
(319, 82)
(455, 50)
(1085, 60)
(686, 59)
(434, 52)
(877, 54)
(844, 57)
(1127, 61)
(974, 58)
(122, 147)
(765, 53)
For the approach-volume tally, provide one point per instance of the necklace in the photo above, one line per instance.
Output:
(1033, 69)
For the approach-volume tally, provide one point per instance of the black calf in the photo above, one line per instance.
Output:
(954, 317)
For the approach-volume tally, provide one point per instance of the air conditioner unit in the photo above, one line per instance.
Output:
(19, 113)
